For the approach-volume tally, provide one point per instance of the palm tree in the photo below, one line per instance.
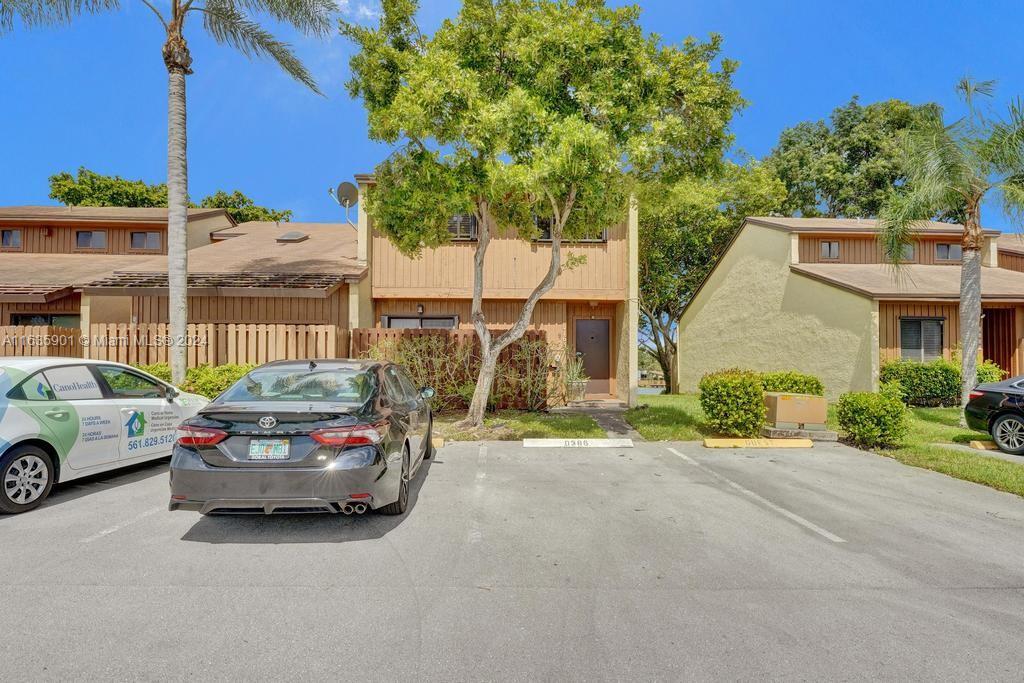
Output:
(228, 21)
(950, 171)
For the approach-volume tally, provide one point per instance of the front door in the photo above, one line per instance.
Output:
(998, 336)
(593, 342)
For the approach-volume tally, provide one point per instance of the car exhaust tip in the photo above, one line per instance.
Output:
(360, 508)
(347, 509)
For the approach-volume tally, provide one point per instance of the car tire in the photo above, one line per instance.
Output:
(26, 478)
(428, 452)
(398, 507)
(1008, 433)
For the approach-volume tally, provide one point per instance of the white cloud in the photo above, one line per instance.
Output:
(360, 10)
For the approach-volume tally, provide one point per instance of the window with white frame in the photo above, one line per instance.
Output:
(829, 250)
(91, 239)
(945, 251)
(10, 239)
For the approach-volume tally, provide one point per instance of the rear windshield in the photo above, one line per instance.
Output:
(336, 385)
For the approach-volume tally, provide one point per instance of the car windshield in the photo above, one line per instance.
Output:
(337, 385)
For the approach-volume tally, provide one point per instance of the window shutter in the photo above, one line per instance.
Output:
(910, 339)
(931, 339)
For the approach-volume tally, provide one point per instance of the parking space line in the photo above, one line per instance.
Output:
(122, 525)
(792, 516)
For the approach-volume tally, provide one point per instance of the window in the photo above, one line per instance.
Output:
(126, 384)
(463, 227)
(91, 239)
(35, 388)
(829, 250)
(908, 252)
(948, 252)
(408, 386)
(416, 322)
(10, 239)
(149, 241)
(336, 384)
(52, 319)
(921, 338)
(73, 382)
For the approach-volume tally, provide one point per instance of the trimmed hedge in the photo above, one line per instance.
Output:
(205, 380)
(792, 382)
(874, 420)
(733, 401)
(935, 383)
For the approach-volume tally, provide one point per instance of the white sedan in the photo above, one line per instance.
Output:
(64, 418)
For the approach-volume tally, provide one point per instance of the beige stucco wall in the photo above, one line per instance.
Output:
(754, 313)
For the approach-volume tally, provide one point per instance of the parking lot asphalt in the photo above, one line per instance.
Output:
(660, 562)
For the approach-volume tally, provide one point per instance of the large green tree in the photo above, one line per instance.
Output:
(683, 229)
(229, 22)
(528, 113)
(953, 168)
(848, 165)
(88, 188)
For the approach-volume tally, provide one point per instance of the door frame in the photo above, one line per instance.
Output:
(612, 349)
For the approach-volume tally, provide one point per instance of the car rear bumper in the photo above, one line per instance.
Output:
(197, 486)
(976, 417)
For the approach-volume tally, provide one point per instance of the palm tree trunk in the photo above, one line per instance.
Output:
(970, 305)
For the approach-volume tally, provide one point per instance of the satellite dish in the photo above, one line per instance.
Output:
(346, 194)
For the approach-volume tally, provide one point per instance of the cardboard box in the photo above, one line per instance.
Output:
(796, 411)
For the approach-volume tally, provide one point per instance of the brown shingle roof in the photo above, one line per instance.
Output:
(850, 225)
(910, 282)
(45, 277)
(107, 214)
(1012, 243)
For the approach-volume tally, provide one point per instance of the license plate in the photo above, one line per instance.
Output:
(268, 449)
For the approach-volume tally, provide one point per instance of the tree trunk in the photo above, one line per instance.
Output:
(970, 305)
(177, 59)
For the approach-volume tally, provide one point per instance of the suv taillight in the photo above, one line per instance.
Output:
(976, 394)
(356, 435)
(199, 436)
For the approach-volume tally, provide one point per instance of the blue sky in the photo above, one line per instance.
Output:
(94, 94)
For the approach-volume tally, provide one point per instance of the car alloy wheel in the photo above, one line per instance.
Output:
(403, 491)
(25, 479)
(1009, 433)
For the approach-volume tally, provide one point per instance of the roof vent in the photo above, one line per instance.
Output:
(292, 236)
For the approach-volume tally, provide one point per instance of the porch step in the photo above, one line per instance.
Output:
(601, 403)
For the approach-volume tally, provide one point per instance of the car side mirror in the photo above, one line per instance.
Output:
(427, 393)
(170, 393)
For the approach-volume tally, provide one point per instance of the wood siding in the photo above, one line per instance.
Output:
(1011, 261)
(1007, 340)
(868, 250)
(69, 305)
(332, 310)
(61, 239)
(513, 267)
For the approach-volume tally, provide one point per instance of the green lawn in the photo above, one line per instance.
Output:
(680, 418)
(512, 425)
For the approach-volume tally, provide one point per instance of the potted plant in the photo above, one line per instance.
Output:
(575, 378)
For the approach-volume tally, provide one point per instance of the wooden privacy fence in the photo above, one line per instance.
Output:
(40, 340)
(215, 343)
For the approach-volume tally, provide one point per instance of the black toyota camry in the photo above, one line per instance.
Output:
(998, 408)
(305, 436)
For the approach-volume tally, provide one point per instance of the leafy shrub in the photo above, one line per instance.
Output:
(792, 382)
(211, 380)
(733, 401)
(158, 370)
(935, 383)
(874, 420)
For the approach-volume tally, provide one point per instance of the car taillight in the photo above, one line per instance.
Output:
(976, 394)
(356, 435)
(199, 436)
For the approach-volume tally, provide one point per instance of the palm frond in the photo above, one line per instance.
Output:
(1004, 148)
(312, 17)
(229, 25)
(969, 89)
(934, 160)
(48, 12)
(1012, 191)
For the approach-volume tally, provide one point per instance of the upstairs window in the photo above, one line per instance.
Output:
(463, 227)
(909, 252)
(420, 322)
(948, 252)
(146, 241)
(544, 226)
(921, 339)
(829, 250)
(91, 239)
(10, 239)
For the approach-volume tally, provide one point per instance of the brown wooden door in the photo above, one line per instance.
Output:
(998, 336)
(593, 341)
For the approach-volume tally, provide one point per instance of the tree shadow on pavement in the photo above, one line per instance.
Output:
(304, 528)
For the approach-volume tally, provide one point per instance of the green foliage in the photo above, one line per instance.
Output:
(89, 188)
(158, 370)
(205, 380)
(873, 420)
(847, 166)
(242, 208)
(733, 401)
(792, 382)
(449, 366)
(935, 383)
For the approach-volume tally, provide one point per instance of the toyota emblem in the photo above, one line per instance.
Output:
(267, 422)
